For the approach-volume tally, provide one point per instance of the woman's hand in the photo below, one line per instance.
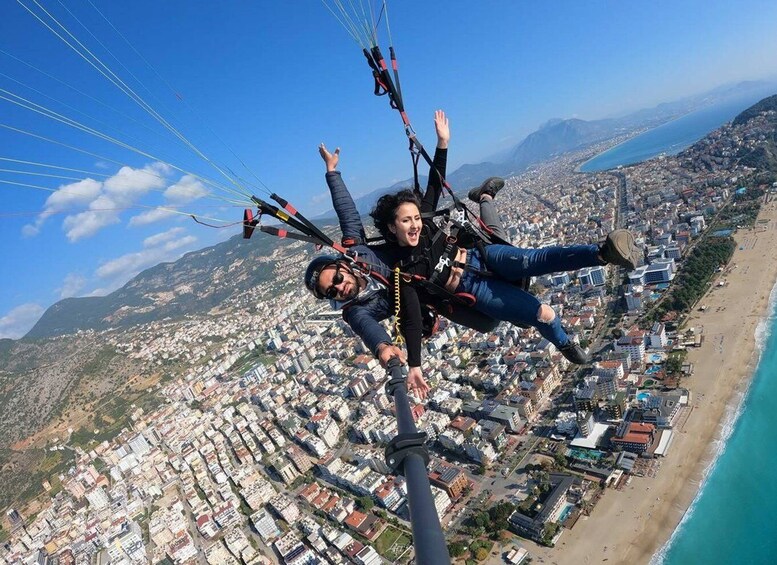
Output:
(416, 382)
(331, 159)
(442, 129)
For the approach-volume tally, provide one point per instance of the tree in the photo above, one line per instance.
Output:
(482, 519)
(481, 554)
(365, 503)
(457, 548)
(674, 364)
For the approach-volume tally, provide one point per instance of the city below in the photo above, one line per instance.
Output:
(264, 442)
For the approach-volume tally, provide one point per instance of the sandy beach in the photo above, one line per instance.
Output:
(632, 524)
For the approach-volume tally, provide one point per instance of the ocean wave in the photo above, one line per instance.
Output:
(733, 411)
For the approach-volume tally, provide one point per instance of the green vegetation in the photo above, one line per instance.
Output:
(22, 487)
(149, 402)
(762, 157)
(98, 365)
(551, 529)
(86, 438)
(258, 355)
(113, 416)
(457, 548)
(674, 363)
(392, 543)
(495, 519)
(365, 503)
(6, 345)
(765, 105)
(244, 508)
(480, 549)
(741, 212)
(692, 281)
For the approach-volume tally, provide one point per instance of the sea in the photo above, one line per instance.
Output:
(733, 518)
(672, 137)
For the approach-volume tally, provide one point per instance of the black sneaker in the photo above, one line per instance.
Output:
(620, 249)
(490, 186)
(574, 353)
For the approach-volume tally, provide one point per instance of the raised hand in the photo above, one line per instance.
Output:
(442, 129)
(331, 159)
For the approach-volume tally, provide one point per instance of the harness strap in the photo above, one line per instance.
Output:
(282, 233)
(351, 241)
(415, 157)
(249, 223)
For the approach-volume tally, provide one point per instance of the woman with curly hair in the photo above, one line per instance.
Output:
(415, 244)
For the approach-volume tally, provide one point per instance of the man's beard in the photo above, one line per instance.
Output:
(353, 288)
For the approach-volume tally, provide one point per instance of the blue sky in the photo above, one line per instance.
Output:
(268, 81)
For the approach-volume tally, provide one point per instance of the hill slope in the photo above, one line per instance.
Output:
(194, 284)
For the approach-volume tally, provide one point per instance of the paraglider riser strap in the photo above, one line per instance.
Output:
(403, 445)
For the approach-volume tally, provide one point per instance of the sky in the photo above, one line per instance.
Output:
(246, 90)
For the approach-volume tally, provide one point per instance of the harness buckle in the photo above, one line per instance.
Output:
(459, 217)
(442, 263)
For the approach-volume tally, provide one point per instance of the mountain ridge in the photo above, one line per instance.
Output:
(559, 135)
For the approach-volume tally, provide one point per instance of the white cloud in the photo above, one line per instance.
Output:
(66, 197)
(101, 202)
(150, 217)
(102, 213)
(130, 184)
(72, 285)
(163, 237)
(186, 190)
(164, 246)
(119, 191)
(20, 320)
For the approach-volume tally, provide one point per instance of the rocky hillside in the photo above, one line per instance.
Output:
(194, 284)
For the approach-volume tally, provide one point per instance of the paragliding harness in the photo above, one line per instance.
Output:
(464, 232)
(310, 233)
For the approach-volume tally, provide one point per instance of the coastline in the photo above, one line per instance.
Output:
(633, 524)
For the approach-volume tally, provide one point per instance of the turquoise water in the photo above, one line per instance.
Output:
(585, 454)
(731, 520)
(565, 513)
(672, 137)
(643, 396)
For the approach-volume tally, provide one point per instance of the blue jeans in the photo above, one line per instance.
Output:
(498, 297)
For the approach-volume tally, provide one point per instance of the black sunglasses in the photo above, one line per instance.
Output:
(332, 292)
